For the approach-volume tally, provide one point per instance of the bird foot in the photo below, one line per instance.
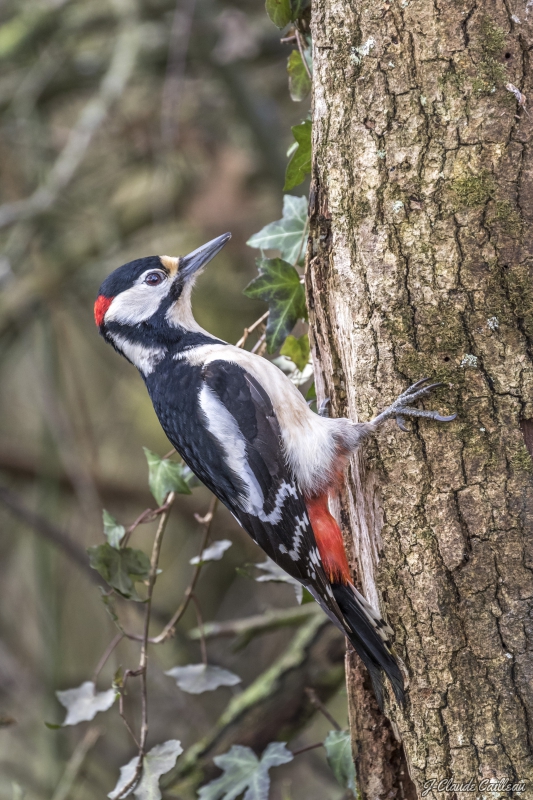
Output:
(323, 410)
(401, 407)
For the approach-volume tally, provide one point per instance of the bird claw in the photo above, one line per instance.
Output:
(400, 421)
(401, 409)
(323, 408)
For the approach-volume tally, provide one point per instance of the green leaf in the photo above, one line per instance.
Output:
(157, 762)
(297, 350)
(113, 532)
(311, 392)
(279, 11)
(165, 476)
(287, 234)
(199, 678)
(339, 754)
(243, 770)
(83, 703)
(52, 726)
(279, 285)
(300, 164)
(120, 568)
(299, 80)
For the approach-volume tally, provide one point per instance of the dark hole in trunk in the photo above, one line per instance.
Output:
(527, 430)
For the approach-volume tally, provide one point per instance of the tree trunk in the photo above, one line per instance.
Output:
(419, 264)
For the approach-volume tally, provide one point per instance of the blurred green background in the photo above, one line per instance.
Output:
(127, 129)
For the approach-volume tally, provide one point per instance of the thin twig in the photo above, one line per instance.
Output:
(168, 630)
(180, 35)
(148, 515)
(75, 764)
(91, 117)
(49, 531)
(107, 652)
(302, 54)
(318, 704)
(130, 730)
(305, 749)
(259, 344)
(143, 661)
(200, 621)
(251, 329)
(249, 627)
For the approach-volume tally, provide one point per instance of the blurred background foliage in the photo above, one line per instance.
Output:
(128, 128)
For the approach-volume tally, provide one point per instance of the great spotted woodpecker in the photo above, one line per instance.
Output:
(248, 434)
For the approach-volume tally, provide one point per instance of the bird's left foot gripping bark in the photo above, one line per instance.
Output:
(401, 408)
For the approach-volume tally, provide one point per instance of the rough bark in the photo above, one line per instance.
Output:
(420, 264)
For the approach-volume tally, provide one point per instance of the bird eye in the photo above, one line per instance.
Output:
(153, 278)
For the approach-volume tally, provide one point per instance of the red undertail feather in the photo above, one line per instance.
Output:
(329, 539)
(100, 307)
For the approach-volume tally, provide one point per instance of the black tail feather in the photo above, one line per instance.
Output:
(368, 644)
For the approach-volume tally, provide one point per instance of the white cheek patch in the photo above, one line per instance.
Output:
(144, 358)
(138, 303)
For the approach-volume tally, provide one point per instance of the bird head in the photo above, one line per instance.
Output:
(147, 302)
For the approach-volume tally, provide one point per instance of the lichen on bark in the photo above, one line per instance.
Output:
(420, 263)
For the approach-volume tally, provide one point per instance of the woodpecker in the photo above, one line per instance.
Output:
(247, 433)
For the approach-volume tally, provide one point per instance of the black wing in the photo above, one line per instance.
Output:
(243, 463)
(226, 430)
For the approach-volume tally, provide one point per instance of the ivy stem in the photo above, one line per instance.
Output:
(248, 331)
(301, 49)
(200, 622)
(109, 649)
(143, 661)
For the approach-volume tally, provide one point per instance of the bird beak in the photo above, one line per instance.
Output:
(189, 265)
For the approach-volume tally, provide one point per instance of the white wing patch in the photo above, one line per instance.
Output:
(223, 426)
(298, 535)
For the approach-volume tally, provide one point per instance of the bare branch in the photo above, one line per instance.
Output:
(49, 531)
(110, 90)
(314, 698)
(75, 764)
(248, 331)
(248, 627)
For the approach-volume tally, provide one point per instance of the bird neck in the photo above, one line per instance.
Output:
(148, 344)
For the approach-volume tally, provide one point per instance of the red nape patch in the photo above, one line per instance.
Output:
(100, 307)
(329, 539)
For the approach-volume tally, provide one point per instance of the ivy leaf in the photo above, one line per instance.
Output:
(164, 476)
(339, 754)
(120, 568)
(279, 11)
(113, 532)
(286, 234)
(299, 80)
(212, 553)
(157, 762)
(300, 164)
(279, 285)
(199, 678)
(297, 350)
(243, 770)
(83, 703)
(275, 573)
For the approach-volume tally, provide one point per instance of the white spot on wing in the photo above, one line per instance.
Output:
(298, 535)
